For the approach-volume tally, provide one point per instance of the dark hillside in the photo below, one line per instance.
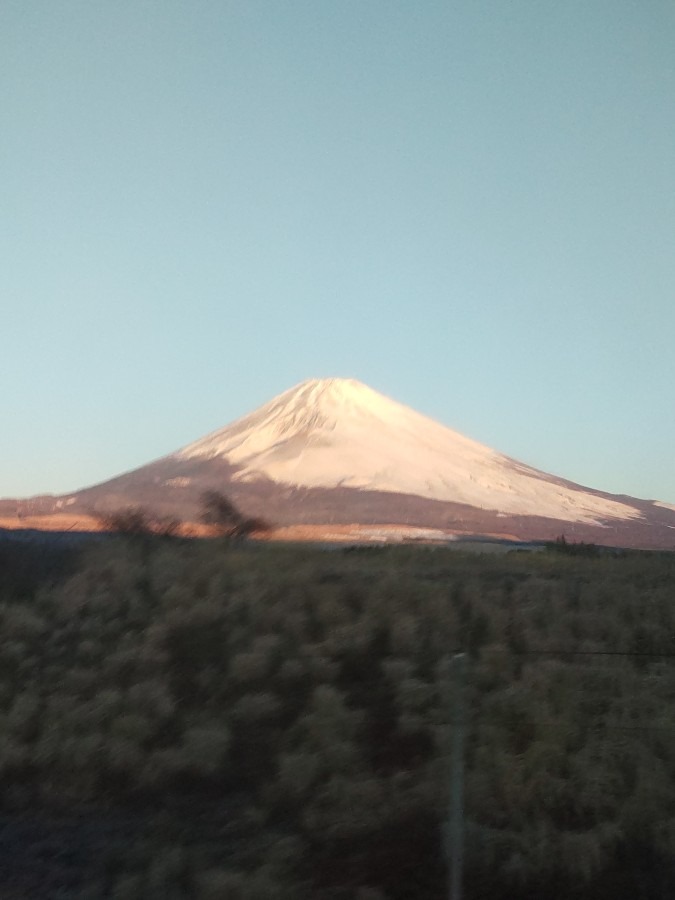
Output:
(30, 559)
(210, 719)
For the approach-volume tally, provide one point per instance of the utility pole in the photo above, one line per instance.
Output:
(455, 824)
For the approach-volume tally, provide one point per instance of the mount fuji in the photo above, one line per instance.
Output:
(331, 453)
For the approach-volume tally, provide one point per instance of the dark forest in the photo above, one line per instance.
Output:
(224, 719)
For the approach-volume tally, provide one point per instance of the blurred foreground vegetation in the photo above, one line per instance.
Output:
(212, 720)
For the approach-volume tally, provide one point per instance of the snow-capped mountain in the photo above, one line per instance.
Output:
(337, 432)
(331, 453)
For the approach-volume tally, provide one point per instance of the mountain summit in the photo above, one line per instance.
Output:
(333, 453)
(337, 432)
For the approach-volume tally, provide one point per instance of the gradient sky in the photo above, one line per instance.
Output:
(469, 206)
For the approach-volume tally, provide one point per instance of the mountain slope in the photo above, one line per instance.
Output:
(339, 433)
(332, 453)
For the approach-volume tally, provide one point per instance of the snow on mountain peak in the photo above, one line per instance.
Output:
(338, 432)
(322, 401)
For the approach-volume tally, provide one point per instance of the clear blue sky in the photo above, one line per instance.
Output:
(470, 206)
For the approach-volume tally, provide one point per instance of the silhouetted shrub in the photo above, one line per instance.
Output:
(221, 513)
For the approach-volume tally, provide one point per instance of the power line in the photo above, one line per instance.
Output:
(600, 726)
(560, 652)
